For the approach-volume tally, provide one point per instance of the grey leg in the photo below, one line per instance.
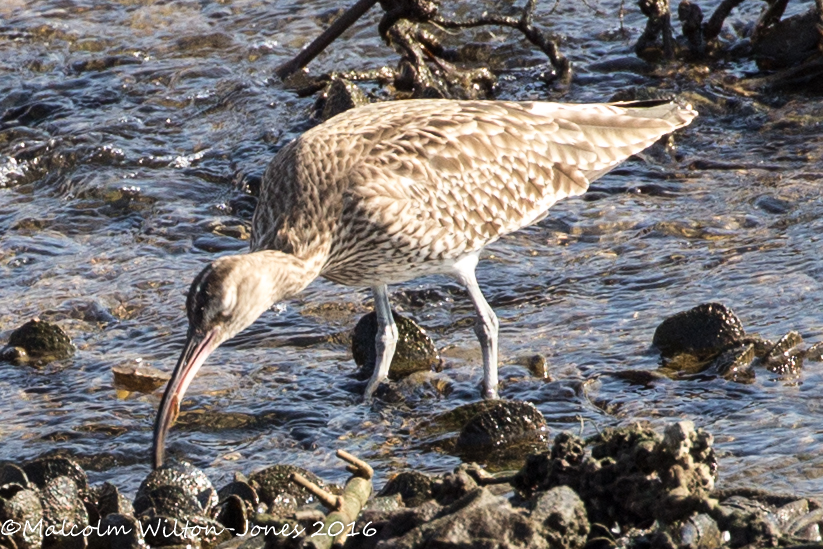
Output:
(385, 341)
(486, 329)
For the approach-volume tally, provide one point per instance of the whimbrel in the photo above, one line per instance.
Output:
(392, 191)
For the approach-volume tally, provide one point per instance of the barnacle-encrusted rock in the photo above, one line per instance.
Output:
(278, 492)
(38, 342)
(704, 331)
(415, 351)
(507, 426)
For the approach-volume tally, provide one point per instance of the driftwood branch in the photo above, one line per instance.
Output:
(343, 509)
(321, 42)
(418, 47)
(712, 28)
(525, 24)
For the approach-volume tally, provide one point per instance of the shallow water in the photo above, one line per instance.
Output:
(139, 127)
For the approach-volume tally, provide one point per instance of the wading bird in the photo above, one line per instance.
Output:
(392, 191)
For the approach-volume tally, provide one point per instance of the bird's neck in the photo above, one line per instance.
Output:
(289, 274)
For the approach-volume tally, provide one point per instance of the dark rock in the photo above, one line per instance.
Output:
(788, 42)
(782, 359)
(241, 489)
(700, 532)
(632, 476)
(206, 41)
(339, 96)
(63, 510)
(167, 500)
(507, 425)
(110, 500)
(453, 486)
(622, 64)
(12, 474)
(747, 521)
(538, 366)
(735, 364)
(233, 514)
(562, 518)
(118, 531)
(22, 507)
(561, 466)
(704, 331)
(773, 205)
(278, 492)
(413, 487)
(139, 378)
(42, 471)
(192, 482)
(415, 351)
(478, 520)
(815, 352)
(42, 342)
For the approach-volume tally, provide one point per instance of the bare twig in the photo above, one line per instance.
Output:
(329, 500)
(712, 28)
(356, 466)
(769, 17)
(525, 25)
(321, 42)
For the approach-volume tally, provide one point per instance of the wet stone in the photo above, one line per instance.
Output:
(22, 507)
(507, 425)
(415, 351)
(773, 205)
(279, 492)
(12, 474)
(339, 96)
(784, 358)
(42, 342)
(704, 331)
(139, 378)
(561, 515)
(538, 366)
(119, 531)
(700, 532)
(233, 513)
(110, 500)
(735, 364)
(42, 471)
(191, 480)
(167, 500)
(815, 352)
(413, 487)
(241, 489)
(788, 41)
(63, 508)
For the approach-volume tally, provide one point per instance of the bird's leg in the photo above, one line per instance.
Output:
(486, 329)
(385, 341)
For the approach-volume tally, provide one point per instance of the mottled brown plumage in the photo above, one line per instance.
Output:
(396, 190)
(429, 181)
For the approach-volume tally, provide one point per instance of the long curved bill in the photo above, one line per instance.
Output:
(194, 354)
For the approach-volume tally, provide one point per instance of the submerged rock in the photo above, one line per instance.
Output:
(413, 487)
(415, 351)
(339, 96)
(279, 492)
(704, 332)
(506, 426)
(784, 358)
(37, 342)
(139, 378)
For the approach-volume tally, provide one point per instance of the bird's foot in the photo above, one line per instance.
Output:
(490, 393)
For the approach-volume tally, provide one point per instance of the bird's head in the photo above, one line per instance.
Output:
(224, 299)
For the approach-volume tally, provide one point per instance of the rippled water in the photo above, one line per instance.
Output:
(131, 131)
